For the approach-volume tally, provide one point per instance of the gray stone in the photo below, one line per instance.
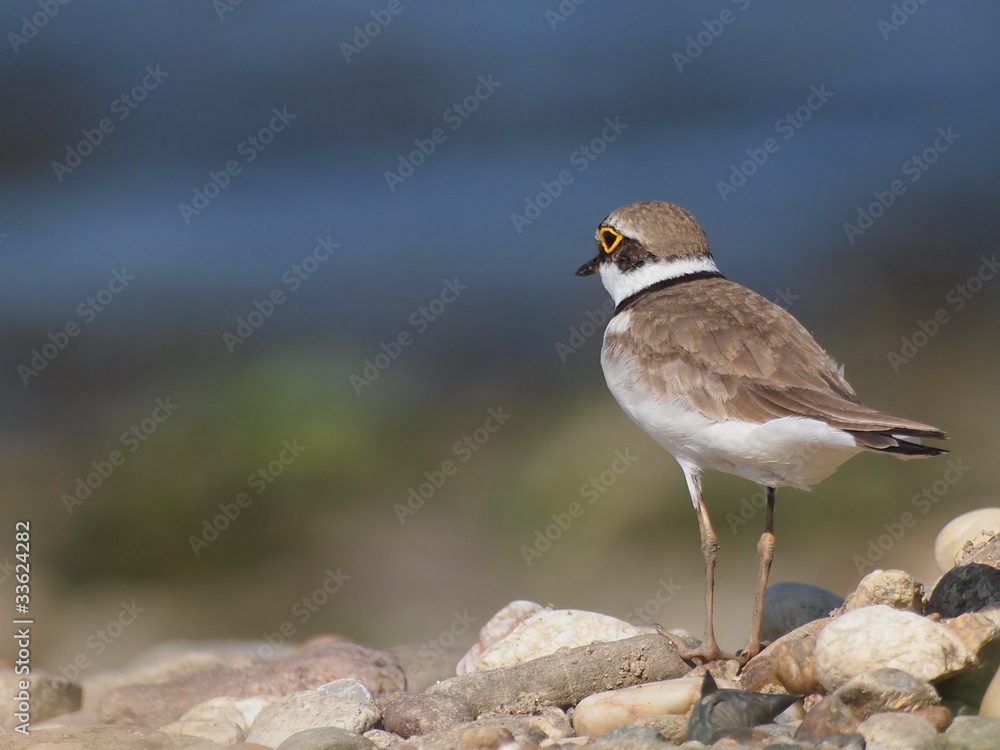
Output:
(407, 714)
(893, 588)
(969, 587)
(634, 733)
(311, 709)
(973, 733)
(326, 738)
(788, 606)
(880, 636)
(899, 732)
(886, 690)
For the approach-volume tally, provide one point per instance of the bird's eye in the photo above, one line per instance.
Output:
(610, 239)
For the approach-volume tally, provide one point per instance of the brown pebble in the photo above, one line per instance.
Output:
(939, 716)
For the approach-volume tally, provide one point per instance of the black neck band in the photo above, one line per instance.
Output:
(665, 284)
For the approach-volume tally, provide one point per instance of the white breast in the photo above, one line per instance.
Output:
(790, 451)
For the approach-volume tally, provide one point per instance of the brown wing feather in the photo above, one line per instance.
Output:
(732, 354)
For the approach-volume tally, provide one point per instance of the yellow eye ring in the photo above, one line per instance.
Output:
(609, 235)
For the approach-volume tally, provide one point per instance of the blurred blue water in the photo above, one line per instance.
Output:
(324, 174)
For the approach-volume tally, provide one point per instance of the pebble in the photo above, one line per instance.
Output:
(788, 606)
(600, 713)
(973, 733)
(488, 733)
(880, 636)
(496, 628)
(220, 730)
(326, 738)
(981, 633)
(549, 630)
(309, 666)
(965, 535)
(346, 704)
(893, 588)
(899, 731)
(969, 587)
(408, 714)
(174, 659)
(791, 660)
(634, 733)
(886, 690)
(829, 716)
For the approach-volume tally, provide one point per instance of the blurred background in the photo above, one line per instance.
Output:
(267, 269)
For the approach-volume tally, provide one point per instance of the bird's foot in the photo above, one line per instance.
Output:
(705, 653)
(753, 647)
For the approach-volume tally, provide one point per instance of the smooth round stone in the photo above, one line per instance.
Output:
(326, 738)
(549, 630)
(788, 606)
(598, 714)
(335, 704)
(899, 732)
(973, 733)
(974, 529)
(407, 714)
(497, 628)
(880, 636)
(893, 588)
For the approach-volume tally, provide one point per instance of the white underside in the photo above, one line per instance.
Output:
(786, 452)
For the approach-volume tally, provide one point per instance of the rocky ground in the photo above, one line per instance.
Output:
(886, 668)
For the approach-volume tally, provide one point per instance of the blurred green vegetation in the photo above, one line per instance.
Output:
(332, 508)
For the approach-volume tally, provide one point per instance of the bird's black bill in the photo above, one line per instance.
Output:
(589, 268)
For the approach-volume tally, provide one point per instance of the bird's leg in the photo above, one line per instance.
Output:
(709, 649)
(765, 551)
